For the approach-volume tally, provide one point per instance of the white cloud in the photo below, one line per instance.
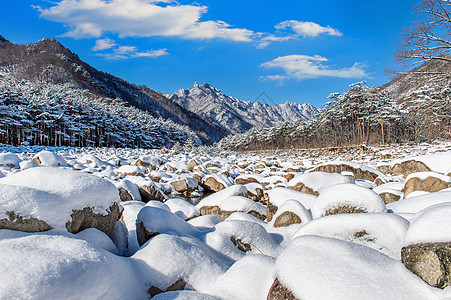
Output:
(304, 66)
(124, 52)
(103, 44)
(308, 29)
(139, 18)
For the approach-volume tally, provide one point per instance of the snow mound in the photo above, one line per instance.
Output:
(295, 207)
(425, 175)
(280, 194)
(228, 235)
(417, 203)
(430, 225)
(57, 267)
(129, 215)
(318, 181)
(51, 194)
(315, 267)
(166, 259)
(382, 232)
(216, 198)
(49, 159)
(157, 220)
(248, 279)
(437, 162)
(243, 204)
(10, 160)
(130, 187)
(349, 195)
(182, 208)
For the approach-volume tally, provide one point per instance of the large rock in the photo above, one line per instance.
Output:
(426, 181)
(430, 261)
(151, 192)
(359, 171)
(408, 167)
(38, 199)
(222, 214)
(286, 219)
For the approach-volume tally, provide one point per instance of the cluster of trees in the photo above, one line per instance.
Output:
(64, 115)
(359, 115)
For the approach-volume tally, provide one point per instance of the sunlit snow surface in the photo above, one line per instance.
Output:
(344, 256)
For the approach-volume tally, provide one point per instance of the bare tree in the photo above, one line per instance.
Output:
(429, 38)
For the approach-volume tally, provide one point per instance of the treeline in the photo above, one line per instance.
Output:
(64, 115)
(361, 115)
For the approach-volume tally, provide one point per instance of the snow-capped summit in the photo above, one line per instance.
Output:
(237, 115)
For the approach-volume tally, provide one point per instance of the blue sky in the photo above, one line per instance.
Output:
(294, 50)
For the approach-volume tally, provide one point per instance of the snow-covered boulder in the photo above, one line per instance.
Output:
(314, 267)
(184, 295)
(129, 215)
(248, 178)
(255, 191)
(438, 162)
(182, 208)
(58, 267)
(426, 181)
(248, 279)
(10, 160)
(235, 238)
(390, 192)
(415, 204)
(129, 170)
(347, 198)
(427, 245)
(382, 232)
(277, 196)
(169, 262)
(128, 191)
(149, 161)
(217, 182)
(223, 208)
(314, 183)
(49, 159)
(61, 198)
(152, 221)
(291, 212)
(358, 170)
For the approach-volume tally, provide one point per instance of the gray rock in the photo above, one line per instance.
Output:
(431, 262)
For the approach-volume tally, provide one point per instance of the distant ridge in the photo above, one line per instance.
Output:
(237, 115)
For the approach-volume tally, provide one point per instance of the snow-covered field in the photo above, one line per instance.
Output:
(100, 223)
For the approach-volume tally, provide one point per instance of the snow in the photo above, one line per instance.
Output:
(9, 159)
(182, 208)
(57, 267)
(128, 169)
(248, 279)
(319, 181)
(98, 239)
(50, 159)
(167, 258)
(157, 220)
(314, 267)
(217, 198)
(347, 195)
(51, 194)
(130, 187)
(382, 232)
(119, 236)
(184, 295)
(437, 162)
(430, 225)
(243, 204)
(356, 166)
(248, 232)
(278, 195)
(418, 203)
(295, 207)
(425, 175)
(129, 215)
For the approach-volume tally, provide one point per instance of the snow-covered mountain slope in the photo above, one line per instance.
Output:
(49, 62)
(237, 115)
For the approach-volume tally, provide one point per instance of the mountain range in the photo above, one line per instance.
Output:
(237, 115)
